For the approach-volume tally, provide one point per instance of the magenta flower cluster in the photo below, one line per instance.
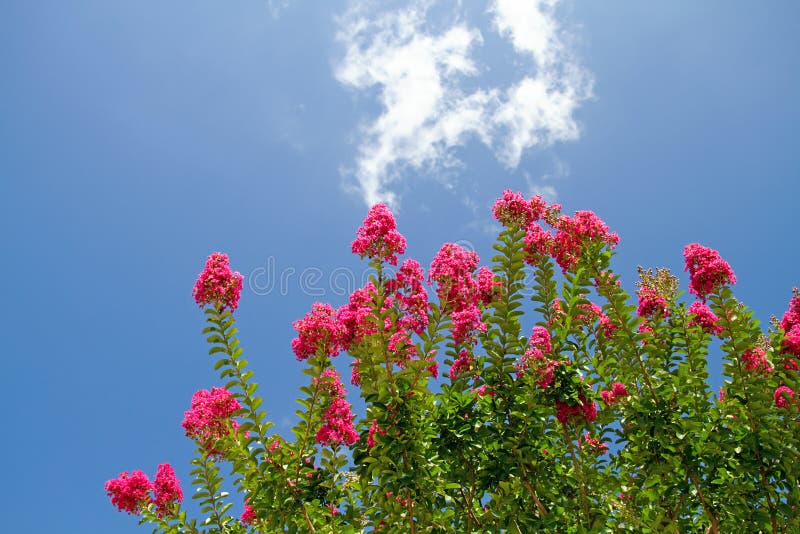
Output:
(708, 272)
(131, 493)
(337, 427)
(210, 417)
(378, 237)
(217, 284)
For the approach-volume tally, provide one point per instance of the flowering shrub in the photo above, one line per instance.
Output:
(578, 410)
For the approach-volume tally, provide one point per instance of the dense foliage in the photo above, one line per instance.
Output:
(562, 405)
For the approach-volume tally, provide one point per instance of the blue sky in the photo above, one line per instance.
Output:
(138, 137)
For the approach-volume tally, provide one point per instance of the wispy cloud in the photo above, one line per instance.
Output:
(421, 65)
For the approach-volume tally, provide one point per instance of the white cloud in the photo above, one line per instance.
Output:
(426, 113)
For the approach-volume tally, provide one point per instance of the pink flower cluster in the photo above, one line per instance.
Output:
(452, 269)
(784, 397)
(337, 420)
(535, 360)
(374, 429)
(790, 323)
(378, 238)
(593, 445)
(575, 232)
(707, 270)
(131, 492)
(704, 318)
(405, 311)
(319, 332)
(166, 489)
(615, 394)
(513, 210)
(651, 303)
(248, 516)
(461, 365)
(209, 418)
(584, 409)
(407, 288)
(756, 360)
(217, 284)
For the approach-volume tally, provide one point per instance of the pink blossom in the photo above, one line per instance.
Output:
(408, 289)
(461, 365)
(707, 270)
(378, 238)
(248, 516)
(651, 303)
(613, 396)
(338, 424)
(337, 420)
(790, 364)
(488, 287)
(574, 232)
(217, 284)
(355, 373)
(129, 493)
(209, 418)
(466, 323)
(167, 490)
(319, 332)
(374, 429)
(784, 397)
(607, 326)
(401, 348)
(704, 318)
(583, 409)
(594, 445)
(357, 316)
(755, 360)
(452, 269)
(538, 244)
(513, 210)
(791, 341)
(792, 315)
(540, 339)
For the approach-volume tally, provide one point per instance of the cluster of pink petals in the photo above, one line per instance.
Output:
(514, 210)
(535, 361)
(217, 284)
(409, 291)
(209, 418)
(756, 360)
(707, 270)
(319, 332)
(607, 326)
(248, 516)
(583, 409)
(572, 233)
(131, 492)
(401, 348)
(587, 313)
(166, 489)
(784, 397)
(461, 365)
(791, 341)
(594, 445)
(337, 427)
(538, 244)
(452, 269)
(651, 303)
(378, 238)
(488, 287)
(374, 429)
(703, 317)
(357, 316)
(792, 316)
(615, 394)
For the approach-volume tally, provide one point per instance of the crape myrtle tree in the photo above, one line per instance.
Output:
(599, 419)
